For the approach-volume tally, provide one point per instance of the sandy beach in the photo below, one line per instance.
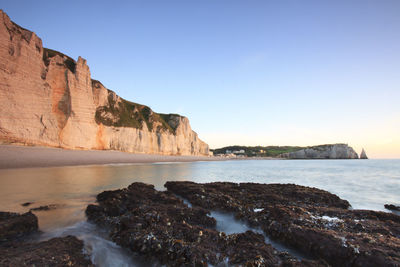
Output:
(14, 156)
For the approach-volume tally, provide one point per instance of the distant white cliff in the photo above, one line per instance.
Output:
(332, 151)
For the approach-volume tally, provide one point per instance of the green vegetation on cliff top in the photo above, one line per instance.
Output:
(121, 114)
(124, 113)
(129, 114)
(49, 53)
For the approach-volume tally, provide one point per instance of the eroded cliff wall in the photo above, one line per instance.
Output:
(47, 98)
(334, 151)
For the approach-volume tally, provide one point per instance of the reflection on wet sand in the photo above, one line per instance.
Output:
(73, 188)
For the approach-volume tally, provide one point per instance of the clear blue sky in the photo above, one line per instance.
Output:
(244, 72)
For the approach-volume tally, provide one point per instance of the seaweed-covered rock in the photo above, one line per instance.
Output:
(392, 207)
(64, 251)
(314, 221)
(14, 225)
(46, 207)
(162, 227)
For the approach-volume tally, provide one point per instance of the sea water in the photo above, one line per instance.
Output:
(366, 184)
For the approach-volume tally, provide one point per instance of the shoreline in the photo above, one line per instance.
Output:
(17, 156)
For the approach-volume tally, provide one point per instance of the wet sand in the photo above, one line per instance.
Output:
(14, 156)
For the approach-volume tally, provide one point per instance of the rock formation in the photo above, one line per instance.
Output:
(363, 155)
(392, 207)
(161, 227)
(334, 151)
(62, 251)
(14, 225)
(314, 221)
(47, 98)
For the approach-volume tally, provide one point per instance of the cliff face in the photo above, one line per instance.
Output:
(47, 98)
(335, 151)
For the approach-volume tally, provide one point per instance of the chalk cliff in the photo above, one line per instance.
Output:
(47, 98)
(334, 151)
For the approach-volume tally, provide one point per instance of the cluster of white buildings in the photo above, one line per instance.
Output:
(239, 153)
(233, 154)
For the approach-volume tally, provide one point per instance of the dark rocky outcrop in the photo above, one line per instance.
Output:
(63, 251)
(14, 225)
(160, 226)
(313, 221)
(392, 207)
(46, 207)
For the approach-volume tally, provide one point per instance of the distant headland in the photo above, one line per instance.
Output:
(327, 151)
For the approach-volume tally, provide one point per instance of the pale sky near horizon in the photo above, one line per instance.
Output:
(244, 72)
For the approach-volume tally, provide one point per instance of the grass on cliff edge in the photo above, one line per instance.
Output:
(129, 114)
(68, 62)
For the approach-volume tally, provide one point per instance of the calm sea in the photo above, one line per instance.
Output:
(366, 184)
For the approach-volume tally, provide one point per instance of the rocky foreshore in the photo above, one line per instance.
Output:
(62, 251)
(311, 220)
(308, 227)
(160, 225)
(14, 226)
(392, 207)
